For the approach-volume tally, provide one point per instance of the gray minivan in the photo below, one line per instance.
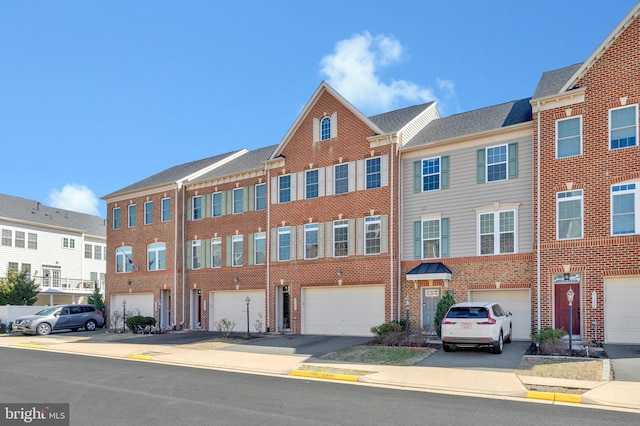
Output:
(60, 317)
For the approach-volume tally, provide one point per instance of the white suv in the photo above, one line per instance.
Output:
(476, 324)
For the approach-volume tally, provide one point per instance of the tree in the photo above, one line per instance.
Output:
(18, 289)
(441, 310)
(96, 299)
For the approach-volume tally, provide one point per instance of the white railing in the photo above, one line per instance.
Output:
(70, 285)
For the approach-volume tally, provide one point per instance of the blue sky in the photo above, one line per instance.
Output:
(95, 96)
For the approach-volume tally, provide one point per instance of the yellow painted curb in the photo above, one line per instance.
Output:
(140, 357)
(319, 375)
(29, 345)
(553, 396)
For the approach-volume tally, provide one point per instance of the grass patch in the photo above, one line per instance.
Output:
(561, 368)
(380, 355)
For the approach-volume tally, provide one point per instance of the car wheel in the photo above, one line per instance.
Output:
(90, 325)
(43, 329)
(497, 348)
(508, 339)
(447, 347)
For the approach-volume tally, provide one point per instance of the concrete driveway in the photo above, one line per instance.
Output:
(625, 362)
(311, 345)
(479, 359)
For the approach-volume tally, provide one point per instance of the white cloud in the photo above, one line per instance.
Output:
(353, 70)
(74, 197)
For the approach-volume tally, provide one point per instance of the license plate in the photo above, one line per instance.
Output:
(466, 325)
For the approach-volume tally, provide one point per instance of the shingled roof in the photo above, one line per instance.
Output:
(24, 210)
(393, 121)
(250, 161)
(473, 122)
(551, 82)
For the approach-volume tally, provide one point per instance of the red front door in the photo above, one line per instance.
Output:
(562, 307)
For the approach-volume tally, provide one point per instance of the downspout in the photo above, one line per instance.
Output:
(538, 221)
(392, 233)
(184, 277)
(268, 244)
(399, 228)
(175, 251)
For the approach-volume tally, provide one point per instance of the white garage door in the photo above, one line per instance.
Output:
(349, 311)
(137, 304)
(621, 317)
(232, 306)
(516, 301)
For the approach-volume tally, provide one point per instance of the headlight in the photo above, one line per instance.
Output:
(26, 323)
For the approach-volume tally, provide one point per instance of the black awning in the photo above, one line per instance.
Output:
(429, 271)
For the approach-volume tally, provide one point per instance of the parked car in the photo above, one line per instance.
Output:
(476, 324)
(60, 317)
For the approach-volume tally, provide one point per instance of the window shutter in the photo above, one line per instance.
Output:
(252, 198)
(328, 233)
(417, 176)
(321, 182)
(316, 130)
(223, 204)
(274, 190)
(352, 238)
(207, 207)
(329, 180)
(360, 173)
(228, 257)
(352, 176)
(190, 208)
(334, 125)
(480, 172)
(417, 239)
(301, 240)
(189, 256)
(359, 236)
(444, 172)
(274, 244)
(250, 248)
(444, 229)
(292, 243)
(513, 160)
(245, 199)
(321, 240)
(301, 184)
(229, 196)
(384, 234)
(292, 188)
(207, 253)
(384, 170)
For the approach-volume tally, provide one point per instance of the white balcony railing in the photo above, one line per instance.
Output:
(71, 285)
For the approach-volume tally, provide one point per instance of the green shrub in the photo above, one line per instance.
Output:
(547, 334)
(388, 327)
(134, 321)
(441, 310)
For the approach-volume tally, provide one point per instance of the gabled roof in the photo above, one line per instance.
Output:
(394, 121)
(251, 160)
(178, 174)
(473, 122)
(31, 211)
(551, 82)
(323, 87)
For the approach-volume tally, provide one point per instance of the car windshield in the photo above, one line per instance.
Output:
(467, 312)
(48, 311)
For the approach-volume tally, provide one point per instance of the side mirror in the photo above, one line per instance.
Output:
(509, 313)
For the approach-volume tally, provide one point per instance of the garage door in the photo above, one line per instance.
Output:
(232, 306)
(349, 311)
(137, 304)
(621, 318)
(516, 301)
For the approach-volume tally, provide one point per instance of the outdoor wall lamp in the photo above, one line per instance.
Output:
(570, 295)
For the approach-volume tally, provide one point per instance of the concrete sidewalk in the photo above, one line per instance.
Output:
(435, 379)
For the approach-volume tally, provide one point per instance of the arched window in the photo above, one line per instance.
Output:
(157, 257)
(123, 260)
(325, 129)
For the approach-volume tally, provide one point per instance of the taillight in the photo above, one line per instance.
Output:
(100, 313)
(447, 322)
(489, 319)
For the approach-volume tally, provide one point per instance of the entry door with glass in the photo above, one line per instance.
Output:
(430, 299)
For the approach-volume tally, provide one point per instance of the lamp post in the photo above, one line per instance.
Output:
(124, 315)
(407, 299)
(248, 300)
(570, 295)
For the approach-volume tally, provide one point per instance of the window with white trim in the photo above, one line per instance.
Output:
(624, 205)
(284, 189)
(196, 252)
(216, 252)
(238, 206)
(19, 242)
(311, 184)
(569, 211)
(157, 257)
(237, 243)
(7, 237)
(623, 127)
(33, 241)
(325, 129)
(166, 210)
(123, 257)
(372, 235)
(260, 248)
(131, 210)
(216, 201)
(340, 238)
(88, 251)
(497, 232)
(311, 241)
(261, 196)
(569, 137)
(373, 172)
(97, 252)
(496, 163)
(69, 243)
(341, 178)
(431, 174)
(116, 218)
(431, 239)
(148, 212)
(196, 207)
(284, 243)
